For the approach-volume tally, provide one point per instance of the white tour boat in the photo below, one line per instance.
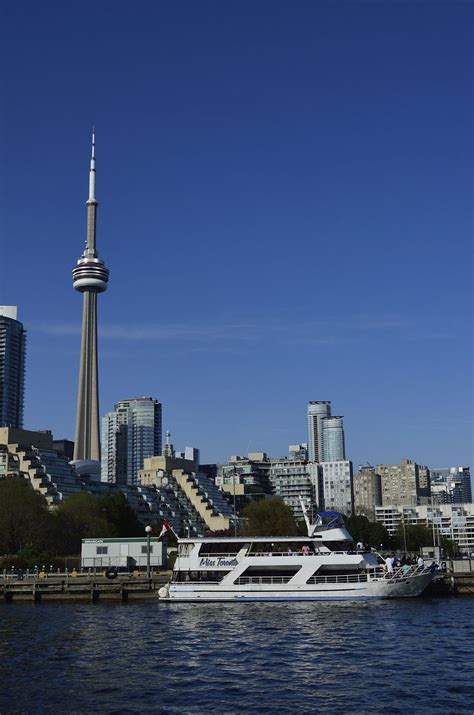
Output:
(323, 566)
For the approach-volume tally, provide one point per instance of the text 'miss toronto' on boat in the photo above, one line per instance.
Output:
(325, 565)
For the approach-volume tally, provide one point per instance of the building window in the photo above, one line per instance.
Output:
(145, 550)
(102, 550)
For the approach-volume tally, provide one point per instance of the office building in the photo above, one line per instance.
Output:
(451, 485)
(130, 433)
(12, 367)
(333, 444)
(65, 448)
(90, 277)
(317, 410)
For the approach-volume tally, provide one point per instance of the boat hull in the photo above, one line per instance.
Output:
(380, 589)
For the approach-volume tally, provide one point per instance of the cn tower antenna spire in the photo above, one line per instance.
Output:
(92, 170)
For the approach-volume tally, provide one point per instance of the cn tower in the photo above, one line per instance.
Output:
(90, 277)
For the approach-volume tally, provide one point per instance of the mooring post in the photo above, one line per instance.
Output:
(94, 592)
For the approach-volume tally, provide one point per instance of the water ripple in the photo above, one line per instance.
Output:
(116, 659)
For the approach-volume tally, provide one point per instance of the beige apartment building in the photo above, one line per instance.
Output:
(367, 492)
(406, 483)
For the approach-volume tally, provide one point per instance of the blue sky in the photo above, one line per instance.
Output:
(285, 209)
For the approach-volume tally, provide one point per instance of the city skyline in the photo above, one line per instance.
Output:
(232, 216)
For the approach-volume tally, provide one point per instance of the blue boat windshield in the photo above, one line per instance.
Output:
(329, 520)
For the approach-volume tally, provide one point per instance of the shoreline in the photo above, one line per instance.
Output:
(94, 589)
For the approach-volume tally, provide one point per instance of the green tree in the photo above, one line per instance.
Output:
(448, 546)
(25, 521)
(417, 535)
(378, 535)
(116, 509)
(371, 533)
(358, 527)
(268, 517)
(80, 517)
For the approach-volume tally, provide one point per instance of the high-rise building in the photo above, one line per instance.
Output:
(401, 483)
(317, 410)
(12, 367)
(291, 480)
(338, 486)
(451, 485)
(334, 449)
(367, 491)
(90, 277)
(130, 433)
(424, 481)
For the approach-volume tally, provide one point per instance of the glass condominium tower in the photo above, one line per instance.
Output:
(317, 410)
(12, 367)
(334, 449)
(129, 434)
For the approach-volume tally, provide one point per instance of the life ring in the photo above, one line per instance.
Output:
(111, 572)
(163, 592)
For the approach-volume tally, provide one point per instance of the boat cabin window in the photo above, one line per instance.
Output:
(271, 571)
(198, 576)
(217, 548)
(337, 570)
(329, 520)
(274, 547)
(338, 574)
(185, 549)
(339, 545)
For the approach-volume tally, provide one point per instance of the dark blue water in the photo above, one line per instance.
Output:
(377, 657)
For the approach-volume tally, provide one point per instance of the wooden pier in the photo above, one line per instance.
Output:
(81, 587)
(456, 583)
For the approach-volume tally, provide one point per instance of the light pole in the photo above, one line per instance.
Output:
(404, 532)
(235, 517)
(148, 532)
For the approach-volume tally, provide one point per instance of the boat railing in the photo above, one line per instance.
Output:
(244, 580)
(400, 573)
(220, 555)
(348, 578)
(296, 553)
